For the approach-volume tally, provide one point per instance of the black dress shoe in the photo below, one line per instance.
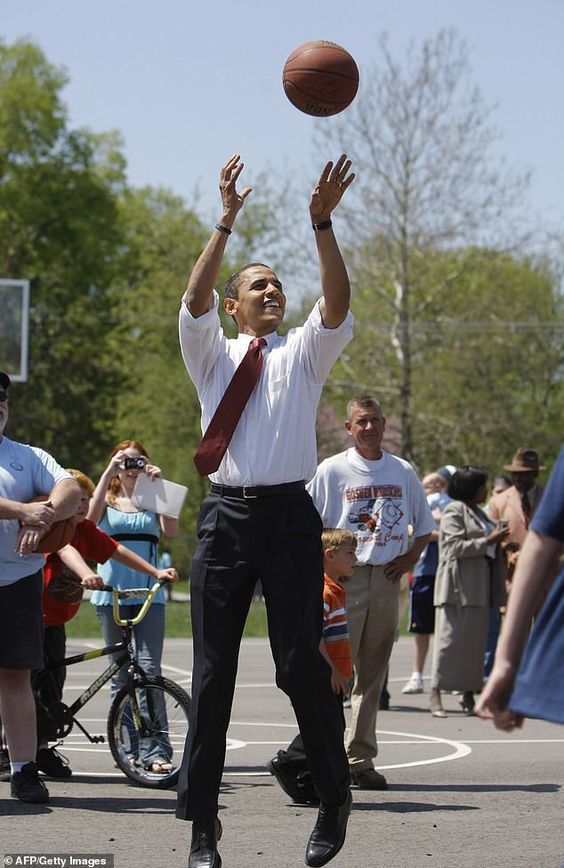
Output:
(203, 849)
(298, 785)
(328, 834)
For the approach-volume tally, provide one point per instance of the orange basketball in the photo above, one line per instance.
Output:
(58, 535)
(320, 78)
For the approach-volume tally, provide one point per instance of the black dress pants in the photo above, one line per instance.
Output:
(277, 540)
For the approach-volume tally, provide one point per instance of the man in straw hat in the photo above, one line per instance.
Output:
(517, 504)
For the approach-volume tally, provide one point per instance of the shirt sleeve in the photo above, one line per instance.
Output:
(46, 472)
(318, 490)
(201, 340)
(323, 346)
(95, 545)
(549, 515)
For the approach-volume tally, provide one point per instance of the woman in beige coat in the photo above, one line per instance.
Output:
(470, 579)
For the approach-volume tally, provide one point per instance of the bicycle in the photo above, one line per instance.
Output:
(150, 712)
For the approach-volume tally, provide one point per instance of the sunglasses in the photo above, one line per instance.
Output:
(4, 396)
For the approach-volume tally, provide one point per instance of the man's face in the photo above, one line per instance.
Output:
(366, 427)
(4, 413)
(524, 480)
(261, 303)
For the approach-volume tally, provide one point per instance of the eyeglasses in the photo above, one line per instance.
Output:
(4, 395)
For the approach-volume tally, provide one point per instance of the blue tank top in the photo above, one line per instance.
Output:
(138, 531)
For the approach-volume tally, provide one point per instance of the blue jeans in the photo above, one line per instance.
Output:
(148, 637)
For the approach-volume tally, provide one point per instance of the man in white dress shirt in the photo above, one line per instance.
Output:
(258, 522)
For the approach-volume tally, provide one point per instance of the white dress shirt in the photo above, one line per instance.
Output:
(274, 441)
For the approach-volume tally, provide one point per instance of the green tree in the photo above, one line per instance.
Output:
(59, 228)
(421, 139)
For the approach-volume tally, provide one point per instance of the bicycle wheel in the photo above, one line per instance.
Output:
(147, 723)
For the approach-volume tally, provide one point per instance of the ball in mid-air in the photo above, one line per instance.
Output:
(320, 78)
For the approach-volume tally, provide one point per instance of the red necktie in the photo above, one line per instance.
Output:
(215, 441)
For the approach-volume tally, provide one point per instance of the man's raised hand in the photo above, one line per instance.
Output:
(334, 180)
(231, 199)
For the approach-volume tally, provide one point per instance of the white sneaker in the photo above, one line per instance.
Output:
(414, 685)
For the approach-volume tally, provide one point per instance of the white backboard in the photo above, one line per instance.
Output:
(14, 326)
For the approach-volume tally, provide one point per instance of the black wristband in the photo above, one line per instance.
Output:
(221, 228)
(319, 227)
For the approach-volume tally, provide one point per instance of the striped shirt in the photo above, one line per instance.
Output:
(335, 628)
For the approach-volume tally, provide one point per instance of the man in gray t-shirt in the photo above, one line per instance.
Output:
(26, 473)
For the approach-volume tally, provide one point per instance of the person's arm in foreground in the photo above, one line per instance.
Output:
(198, 296)
(334, 180)
(536, 569)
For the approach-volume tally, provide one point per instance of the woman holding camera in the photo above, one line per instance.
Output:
(470, 579)
(113, 510)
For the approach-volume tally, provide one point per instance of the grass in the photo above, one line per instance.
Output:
(178, 626)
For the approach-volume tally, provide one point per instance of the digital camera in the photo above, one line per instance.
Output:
(133, 463)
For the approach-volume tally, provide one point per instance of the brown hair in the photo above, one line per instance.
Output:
(83, 480)
(333, 538)
(114, 484)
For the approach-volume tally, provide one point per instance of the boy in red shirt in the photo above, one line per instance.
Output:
(65, 574)
(289, 766)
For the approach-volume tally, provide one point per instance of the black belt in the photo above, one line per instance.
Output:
(247, 492)
(142, 537)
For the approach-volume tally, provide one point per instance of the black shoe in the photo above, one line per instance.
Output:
(5, 770)
(329, 832)
(384, 702)
(203, 849)
(298, 785)
(52, 763)
(27, 787)
(467, 702)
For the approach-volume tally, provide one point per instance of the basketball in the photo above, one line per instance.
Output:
(58, 535)
(320, 78)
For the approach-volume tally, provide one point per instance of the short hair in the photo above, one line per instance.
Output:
(83, 480)
(333, 538)
(365, 402)
(466, 481)
(232, 284)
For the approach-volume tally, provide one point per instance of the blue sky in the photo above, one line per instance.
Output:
(189, 83)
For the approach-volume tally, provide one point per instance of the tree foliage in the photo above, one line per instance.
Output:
(59, 228)
(428, 183)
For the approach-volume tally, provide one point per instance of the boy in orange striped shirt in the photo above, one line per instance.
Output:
(289, 766)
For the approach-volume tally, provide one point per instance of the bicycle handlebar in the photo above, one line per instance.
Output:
(148, 594)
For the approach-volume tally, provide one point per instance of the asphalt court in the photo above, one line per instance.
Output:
(460, 793)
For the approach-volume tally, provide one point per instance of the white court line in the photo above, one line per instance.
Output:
(514, 741)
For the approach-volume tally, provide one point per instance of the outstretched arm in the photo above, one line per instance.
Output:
(198, 296)
(334, 180)
(536, 569)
